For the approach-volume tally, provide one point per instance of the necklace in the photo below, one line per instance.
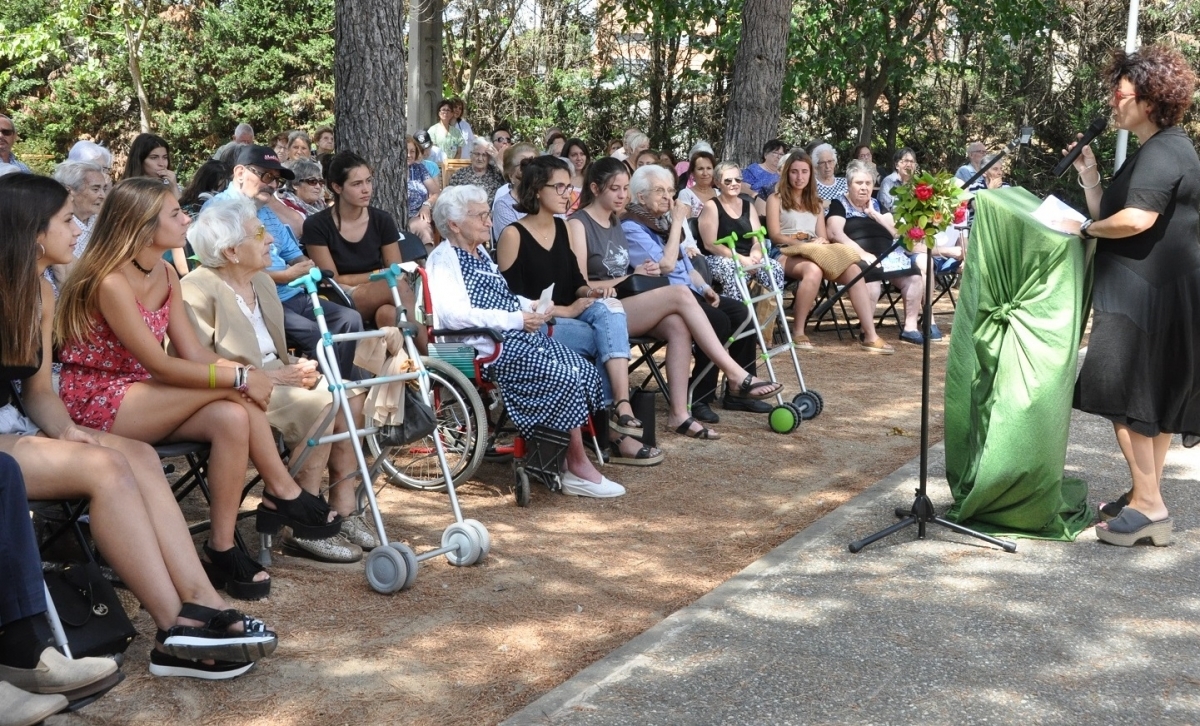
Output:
(141, 269)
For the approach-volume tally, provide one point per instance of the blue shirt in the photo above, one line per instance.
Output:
(965, 172)
(284, 250)
(757, 177)
(644, 245)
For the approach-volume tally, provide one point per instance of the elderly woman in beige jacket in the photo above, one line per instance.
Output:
(237, 314)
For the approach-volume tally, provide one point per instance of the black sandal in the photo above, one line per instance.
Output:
(307, 515)
(213, 640)
(645, 456)
(704, 434)
(750, 389)
(235, 571)
(623, 423)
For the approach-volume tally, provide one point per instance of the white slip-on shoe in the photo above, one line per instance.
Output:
(576, 486)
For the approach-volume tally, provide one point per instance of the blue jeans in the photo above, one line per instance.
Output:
(22, 592)
(599, 335)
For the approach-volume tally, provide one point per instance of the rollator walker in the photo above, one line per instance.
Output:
(392, 566)
(808, 404)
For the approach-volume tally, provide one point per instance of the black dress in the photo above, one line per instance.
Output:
(1142, 367)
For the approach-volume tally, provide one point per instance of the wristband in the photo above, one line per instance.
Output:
(212, 375)
(1083, 230)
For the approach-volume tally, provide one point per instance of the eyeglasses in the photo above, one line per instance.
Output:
(7, 132)
(475, 155)
(777, 152)
(258, 235)
(315, 181)
(266, 177)
(560, 189)
(727, 182)
(484, 217)
(502, 140)
(827, 162)
(1118, 96)
(659, 191)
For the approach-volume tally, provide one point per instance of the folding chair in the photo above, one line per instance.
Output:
(646, 348)
(892, 294)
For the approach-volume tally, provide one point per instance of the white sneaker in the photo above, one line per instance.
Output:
(576, 486)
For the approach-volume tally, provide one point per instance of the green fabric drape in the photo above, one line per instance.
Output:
(1011, 373)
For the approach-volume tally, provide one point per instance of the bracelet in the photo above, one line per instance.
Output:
(1093, 186)
(212, 375)
(241, 380)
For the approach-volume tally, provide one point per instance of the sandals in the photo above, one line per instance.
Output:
(1109, 510)
(624, 423)
(213, 640)
(163, 664)
(1131, 526)
(645, 456)
(801, 342)
(705, 434)
(235, 571)
(307, 515)
(760, 390)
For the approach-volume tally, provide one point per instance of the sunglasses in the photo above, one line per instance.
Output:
(266, 177)
(259, 234)
(560, 189)
(503, 140)
(315, 181)
(7, 132)
(737, 180)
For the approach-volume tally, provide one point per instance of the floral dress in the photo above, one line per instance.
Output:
(97, 373)
(542, 381)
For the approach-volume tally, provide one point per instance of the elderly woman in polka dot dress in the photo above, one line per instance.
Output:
(541, 381)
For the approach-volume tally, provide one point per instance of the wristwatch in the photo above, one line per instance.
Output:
(1083, 230)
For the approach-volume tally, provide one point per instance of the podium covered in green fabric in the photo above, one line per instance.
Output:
(1011, 373)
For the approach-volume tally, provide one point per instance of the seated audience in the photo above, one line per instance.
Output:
(730, 213)
(759, 180)
(700, 187)
(89, 187)
(906, 167)
(542, 382)
(671, 313)
(975, 153)
(653, 229)
(209, 180)
(502, 138)
(133, 517)
(481, 172)
(447, 139)
(794, 216)
(855, 219)
(576, 152)
(829, 185)
(504, 209)
(993, 178)
(325, 140)
(305, 193)
(281, 146)
(91, 152)
(299, 145)
(116, 310)
(645, 157)
(150, 156)
(423, 189)
(554, 143)
(256, 176)
(468, 134)
(236, 314)
(425, 149)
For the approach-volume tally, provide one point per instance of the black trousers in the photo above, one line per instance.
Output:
(22, 590)
(724, 318)
(300, 326)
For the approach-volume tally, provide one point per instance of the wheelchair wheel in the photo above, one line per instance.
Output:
(784, 419)
(462, 428)
(521, 487)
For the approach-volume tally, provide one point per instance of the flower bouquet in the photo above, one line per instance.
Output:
(927, 205)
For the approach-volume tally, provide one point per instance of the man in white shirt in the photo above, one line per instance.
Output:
(975, 152)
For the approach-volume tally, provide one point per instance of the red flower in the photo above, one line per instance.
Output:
(960, 214)
(916, 233)
(923, 192)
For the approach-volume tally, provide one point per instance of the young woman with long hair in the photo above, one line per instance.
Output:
(112, 318)
(150, 156)
(134, 518)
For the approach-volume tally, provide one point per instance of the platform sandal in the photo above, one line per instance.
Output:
(214, 640)
(165, 665)
(234, 571)
(1111, 510)
(623, 423)
(645, 456)
(763, 389)
(307, 515)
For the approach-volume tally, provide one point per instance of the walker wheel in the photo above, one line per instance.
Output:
(465, 539)
(784, 419)
(387, 572)
(485, 539)
(809, 403)
(521, 487)
(410, 560)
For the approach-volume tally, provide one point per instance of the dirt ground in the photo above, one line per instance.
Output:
(567, 581)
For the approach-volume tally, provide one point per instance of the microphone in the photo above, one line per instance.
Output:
(1095, 129)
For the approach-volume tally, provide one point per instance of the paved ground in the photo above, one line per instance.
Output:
(941, 631)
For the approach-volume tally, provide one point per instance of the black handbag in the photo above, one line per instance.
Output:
(91, 613)
(419, 422)
(637, 284)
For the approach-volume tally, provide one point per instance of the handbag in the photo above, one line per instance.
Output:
(91, 613)
(637, 284)
(419, 422)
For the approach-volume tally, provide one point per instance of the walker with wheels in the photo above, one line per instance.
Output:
(392, 566)
(786, 416)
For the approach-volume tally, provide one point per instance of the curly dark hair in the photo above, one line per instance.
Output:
(535, 174)
(1160, 76)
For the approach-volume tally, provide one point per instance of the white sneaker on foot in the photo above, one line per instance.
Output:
(577, 486)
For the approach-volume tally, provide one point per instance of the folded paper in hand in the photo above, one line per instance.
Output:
(546, 301)
(1052, 211)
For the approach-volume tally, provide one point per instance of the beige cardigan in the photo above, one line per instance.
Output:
(223, 328)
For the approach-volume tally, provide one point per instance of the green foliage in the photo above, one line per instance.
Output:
(926, 206)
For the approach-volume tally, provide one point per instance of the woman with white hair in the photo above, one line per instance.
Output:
(729, 213)
(829, 184)
(542, 382)
(89, 187)
(236, 312)
(306, 192)
(93, 153)
(481, 172)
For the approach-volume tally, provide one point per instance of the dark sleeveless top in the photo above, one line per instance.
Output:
(11, 374)
(741, 225)
(607, 248)
(537, 267)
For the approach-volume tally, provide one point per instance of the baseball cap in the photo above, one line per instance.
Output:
(423, 140)
(263, 158)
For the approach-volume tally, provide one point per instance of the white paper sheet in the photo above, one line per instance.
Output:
(546, 301)
(1051, 211)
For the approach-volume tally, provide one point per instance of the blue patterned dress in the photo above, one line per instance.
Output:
(541, 381)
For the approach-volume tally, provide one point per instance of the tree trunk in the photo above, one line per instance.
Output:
(757, 89)
(371, 94)
(133, 41)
